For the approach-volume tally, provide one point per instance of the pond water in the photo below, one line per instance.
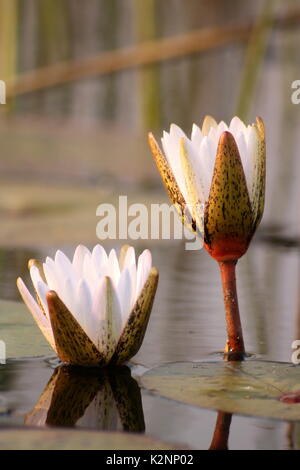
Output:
(187, 324)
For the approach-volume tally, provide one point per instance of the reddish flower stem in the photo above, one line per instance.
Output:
(235, 350)
(221, 432)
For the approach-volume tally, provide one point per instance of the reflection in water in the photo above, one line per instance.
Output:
(103, 399)
(106, 399)
(22, 381)
(293, 436)
(221, 432)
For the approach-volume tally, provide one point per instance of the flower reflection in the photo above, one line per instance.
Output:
(221, 432)
(108, 399)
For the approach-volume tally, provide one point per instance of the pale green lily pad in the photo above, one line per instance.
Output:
(52, 439)
(248, 388)
(20, 333)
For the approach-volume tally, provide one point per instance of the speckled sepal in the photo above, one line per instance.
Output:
(72, 343)
(228, 216)
(110, 324)
(134, 331)
(171, 185)
(257, 192)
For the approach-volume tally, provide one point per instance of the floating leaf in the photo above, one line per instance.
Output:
(250, 388)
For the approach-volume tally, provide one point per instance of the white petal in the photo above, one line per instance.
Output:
(171, 147)
(208, 123)
(198, 170)
(222, 127)
(67, 294)
(236, 126)
(78, 259)
(124, 291)
(114, 269)
(63, 269)
(129, 259)
(89, 272)
(207, 159)
(99, 256)
(35, 275)
(40, 287)
(42, 290)
(50, 274)
(176, 132)
(196, 135)
(99, 263)
(83, 305)
(212, 136)
(133, 275)
(117, 324)
(63, 265)
(143, 269)
(99, 301)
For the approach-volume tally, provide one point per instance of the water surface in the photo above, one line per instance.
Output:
(187, 324)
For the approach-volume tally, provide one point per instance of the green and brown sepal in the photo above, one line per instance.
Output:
(228, 215)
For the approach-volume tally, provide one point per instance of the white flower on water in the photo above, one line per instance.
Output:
(216, 180)
(109, 298)
(201, 149)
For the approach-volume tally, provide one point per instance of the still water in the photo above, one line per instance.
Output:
(187, 324)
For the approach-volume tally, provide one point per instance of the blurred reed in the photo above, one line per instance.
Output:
(146, 27)
(8, 42)
(255, 54)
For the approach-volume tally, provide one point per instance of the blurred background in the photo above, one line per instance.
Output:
(86, 81)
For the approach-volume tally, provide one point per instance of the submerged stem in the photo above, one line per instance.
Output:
(221, 432)
(235, 350)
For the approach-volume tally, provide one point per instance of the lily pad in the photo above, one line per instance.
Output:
(252, 388)
(16, 439)
(20, 333)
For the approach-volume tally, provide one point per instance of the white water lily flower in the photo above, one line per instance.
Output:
(216, 180)
(202, 149)
(94, 309)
